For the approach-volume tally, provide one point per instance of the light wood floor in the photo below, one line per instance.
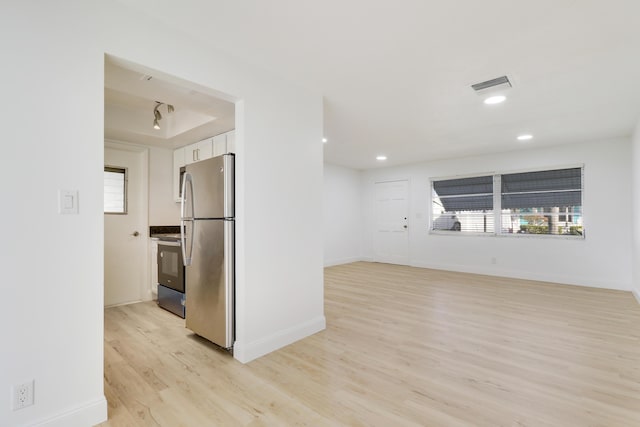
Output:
(403, 347)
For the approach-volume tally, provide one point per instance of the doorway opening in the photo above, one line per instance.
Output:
(154, 124)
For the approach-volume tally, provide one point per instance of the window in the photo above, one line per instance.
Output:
(463, 204)
(115, 190)
(543, 202)
(540, 202)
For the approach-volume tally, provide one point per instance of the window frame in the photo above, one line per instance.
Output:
(497, 205)
(125, 172)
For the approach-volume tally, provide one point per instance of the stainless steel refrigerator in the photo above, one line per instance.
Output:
(208, 227)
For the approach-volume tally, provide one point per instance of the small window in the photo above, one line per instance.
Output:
(115, 190)
(463, 204)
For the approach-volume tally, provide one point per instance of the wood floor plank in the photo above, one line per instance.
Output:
(403, 347)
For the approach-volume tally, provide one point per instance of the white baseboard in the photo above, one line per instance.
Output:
(123, 303)
(331, 263)
(526, 275)
(636, 293)
(246, 352)
(89, 414)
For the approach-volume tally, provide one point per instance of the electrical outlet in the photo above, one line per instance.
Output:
(22, 395)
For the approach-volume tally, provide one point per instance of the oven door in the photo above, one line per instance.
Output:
(170, 266)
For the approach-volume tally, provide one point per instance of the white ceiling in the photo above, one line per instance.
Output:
(396, 75)
(130, 97)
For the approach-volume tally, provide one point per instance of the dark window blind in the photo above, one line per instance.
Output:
(465, 194)
(542, 189)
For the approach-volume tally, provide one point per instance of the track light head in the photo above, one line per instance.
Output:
(156, 113)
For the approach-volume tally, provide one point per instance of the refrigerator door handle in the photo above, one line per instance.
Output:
(183, 221)
(186, 260)
(182, 243)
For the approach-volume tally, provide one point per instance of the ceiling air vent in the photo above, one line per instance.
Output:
(499, 83)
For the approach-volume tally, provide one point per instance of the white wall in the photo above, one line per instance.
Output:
(635, 158)
(163, 210)
(54, 54)
(342, 215)
(602, 259)
(55, 289)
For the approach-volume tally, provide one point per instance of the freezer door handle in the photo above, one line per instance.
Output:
(186, 178)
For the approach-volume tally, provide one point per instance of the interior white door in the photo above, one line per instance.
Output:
(391, 240)
(125, 235)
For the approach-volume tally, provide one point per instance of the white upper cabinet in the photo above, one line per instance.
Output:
(219, 144)
(199, 151)
(205, 149)
(178, 162)
(231, 141)
(178, 158)
(190, 153)
(224, 143)
(202, 150)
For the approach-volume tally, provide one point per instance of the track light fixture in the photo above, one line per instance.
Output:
(156, 113)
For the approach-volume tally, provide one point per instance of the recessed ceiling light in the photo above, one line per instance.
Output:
(324, 140)
(495, 99)
(381, 158)
(525, 137)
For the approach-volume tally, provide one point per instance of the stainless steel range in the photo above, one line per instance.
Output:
(171, 277)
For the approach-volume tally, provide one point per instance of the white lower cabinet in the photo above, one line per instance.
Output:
(154, 267)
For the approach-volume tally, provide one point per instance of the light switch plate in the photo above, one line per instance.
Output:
(68, 202)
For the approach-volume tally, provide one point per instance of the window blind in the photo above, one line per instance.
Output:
(115, 190)
(538, 202)
(465, 194)
(542, 189)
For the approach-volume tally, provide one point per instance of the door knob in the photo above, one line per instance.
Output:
(405, 226)
(135, 234)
